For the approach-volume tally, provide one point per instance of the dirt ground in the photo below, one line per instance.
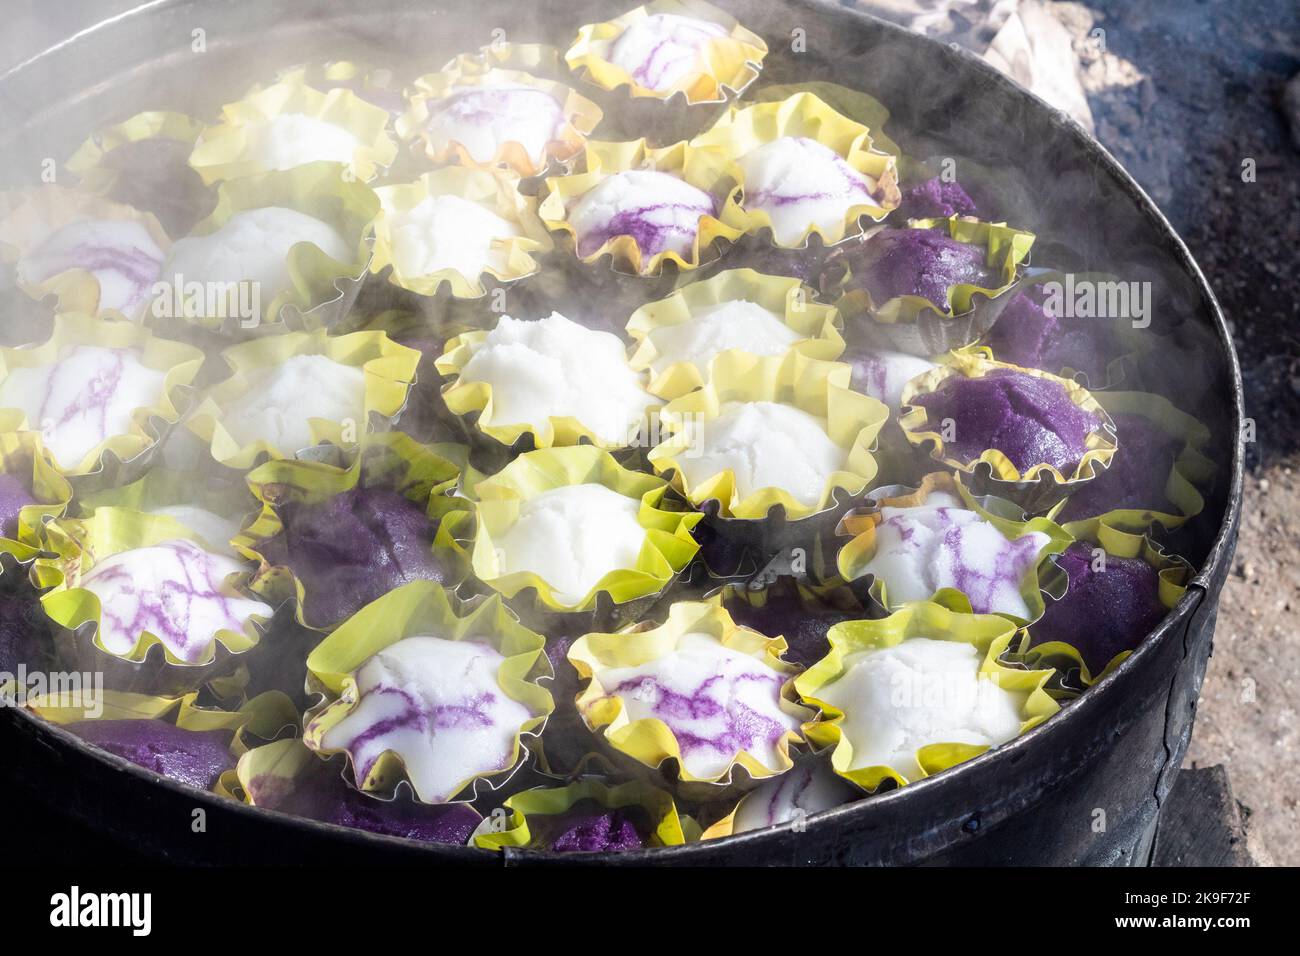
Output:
(1183, 93)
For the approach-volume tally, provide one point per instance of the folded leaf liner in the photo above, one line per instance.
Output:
(804, 115)
(144, 162)
(375, 85)
(424, 608)
(78, 545)
(322, 288)
(31, 216)
(861, 549)
(1174, 573)
(509, 828)
(539, 59)
(224, 151)
(389, 369)
(622, 595)
(857, 106)
(771, 518)
(496, 191)
(912, 323)
(390, 460)
(991, 634)
(1191, 470)
(149, 424)
(208, 487)
(787, 298)
(734, 62)
(261, 718)
(1041, 486)
(23, 457)
(648, 746)
(581, 117)
(473, 401)
(705, 170)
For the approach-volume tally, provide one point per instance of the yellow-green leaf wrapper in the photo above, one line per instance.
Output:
(990, 634)
(1191, 468)
(88, 162)
(424, 608)
(494, 190)
(657, 804)
(1173, 571)
(320, 190)
(649, 741)
(914, 419)
(581, 116)
(79, 544)
(853, 421)
(785, 297)
(178, 361)
(859, 551)
(389, 369)
(224, 151)
(393, 460)
(23, 457)
(857, 106)
(804, 115)
(734, 61)
(467, 398)
(668, 547)
(30, 217)
(705, 170)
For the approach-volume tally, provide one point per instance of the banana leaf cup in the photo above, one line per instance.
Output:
(245, 142)
(422, 608)
(586, 816)
(706, 751)
(508, 258)
(1035, 485)
(389, 370)
(989, 635)
(143, 162)
(730, 60)
(89, 253)
(839, 140)
(1155, 477)
(771, 519)
(858, 107)
(212, 502)
(1125, 585)
(119, 455)
(187, 627)
(376, 85)
(333, 538)
(916, 323)
(287, 777)
(174, 737)
(707, 172)
(322, 288)
(31, 492)
(576, 118)
(1024, 563)
(621, 595)
(609, 422)
(787, 298)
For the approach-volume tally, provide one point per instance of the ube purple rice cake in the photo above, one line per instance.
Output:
(194, 757)
(697, 699)
(30, 491)
(349, 535)
(926, 263)
(1040, 437)
(1028, 332)
(1110, 605)
(936, 198)
(934, 542)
